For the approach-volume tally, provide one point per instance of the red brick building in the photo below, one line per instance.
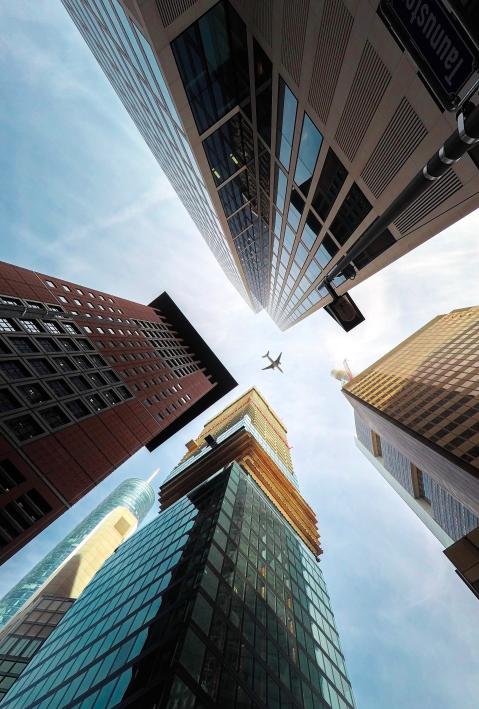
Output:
(86, 380)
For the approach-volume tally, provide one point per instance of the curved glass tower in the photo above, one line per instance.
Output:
(136, 495)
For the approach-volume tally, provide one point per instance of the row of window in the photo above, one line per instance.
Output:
(75, 289)
(20, 514)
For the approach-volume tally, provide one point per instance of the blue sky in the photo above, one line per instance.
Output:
(81, 197)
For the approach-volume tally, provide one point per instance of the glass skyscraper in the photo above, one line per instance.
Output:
(219, 602)
(126, 57)
(286, 127)
(37, 603)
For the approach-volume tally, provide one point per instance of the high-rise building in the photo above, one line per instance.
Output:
(37, 603)
(417, 420)
(219, 602)
(86, 380)
(296, 123)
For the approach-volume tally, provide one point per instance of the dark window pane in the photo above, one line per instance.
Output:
(54, 416)
(97, 402)
(10, 476)
(111, 396)
(8, 402)
(77, 408)
(212, 59)
(81, 383)
(237, 192)
(24, 427)
(12, 369)
(4, 349)
(229, 148)
(48, 344)
(97, 379)
(60, 387)
(84, 345)
(68, 345)
(125, 394)
(41, 366)
(241, 220)
(34, 393)
(287, 104)
(65, 364)
(330, 181)
(111, 376)
(98, 360)
(350, 214)
(263, 86)
(380, 244)
(23, 344)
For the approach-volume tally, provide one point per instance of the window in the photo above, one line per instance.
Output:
(112, 397)
(8, 402)
(68, 345)
(309, 146)
(79, 291)
(287, 105)
(237, 192)
(263, 90)
(89, 305)
(48, 344)
(350, 214)
(41, 366)
(10, 476)
(31, 326)
(97, 379)
(34, 393)
(97, 402)
(84, 344)
(295, 209)
(59, 387)
(326, 250)
(7, 325)
(83, 362)
(124, 393)
(229, 148)
(23, 344)
(212, 59)
(52, 327)
(330, 181)
(13, 369)
(24, 427)
(50, 284)
(62, 299)
(81, 383)
(65, 288)
(77, 408)
(99, 329)
(70, 328)
(98, 360)
(380, 244)
(55, 416)
(65, 364)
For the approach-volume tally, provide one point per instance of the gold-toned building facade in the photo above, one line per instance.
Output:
(417, 420)
(249, 432)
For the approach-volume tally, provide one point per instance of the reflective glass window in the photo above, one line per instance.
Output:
(288, 238)
(309, 146)
(350, 214)
(287, 105)
(331, 179)
(212, 59)
(380, 244)
(237, 192)
(327, 249)
(229, 148)
(280, 188)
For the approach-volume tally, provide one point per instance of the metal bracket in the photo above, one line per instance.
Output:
(462, 131)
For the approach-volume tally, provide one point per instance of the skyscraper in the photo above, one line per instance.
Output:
(86, 380)
(296, 122)
(417, 419)
(219, 602)
(37, 603)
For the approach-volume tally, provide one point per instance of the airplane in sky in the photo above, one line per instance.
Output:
(274, 363)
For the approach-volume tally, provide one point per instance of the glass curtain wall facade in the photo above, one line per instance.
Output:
(35, 606)
(216, 603)
(126, 57)
(136, 495)
(220, 602)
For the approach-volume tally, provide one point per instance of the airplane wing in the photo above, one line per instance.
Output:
(278, 359)
(278, 367)
(270, 366)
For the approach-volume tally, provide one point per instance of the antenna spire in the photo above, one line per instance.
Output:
(153, 475)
